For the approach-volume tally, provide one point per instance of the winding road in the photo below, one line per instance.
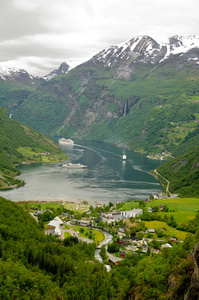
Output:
(168, 182)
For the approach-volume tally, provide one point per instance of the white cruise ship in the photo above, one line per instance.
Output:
(64, 141)
(74, 166)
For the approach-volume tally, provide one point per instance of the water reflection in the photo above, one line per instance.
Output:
(106, 178)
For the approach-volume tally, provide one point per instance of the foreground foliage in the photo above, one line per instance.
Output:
(35, 266)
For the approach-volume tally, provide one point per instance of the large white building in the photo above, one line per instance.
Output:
(136, 212)
(54, 226)
(120, 215)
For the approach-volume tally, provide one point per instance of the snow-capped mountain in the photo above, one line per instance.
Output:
(63, 69)
(128, 55)
(145, 50)
(22, 76)
(19, 75)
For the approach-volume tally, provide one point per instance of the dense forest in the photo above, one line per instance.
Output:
(183, 174)
(20, 144)
(38, 266)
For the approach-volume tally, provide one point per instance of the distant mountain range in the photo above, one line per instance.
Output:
(141, 94)
(22, 76)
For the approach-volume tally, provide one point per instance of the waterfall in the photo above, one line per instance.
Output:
(125, 109)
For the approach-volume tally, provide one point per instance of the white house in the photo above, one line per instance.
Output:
(167, 245)
(54, 225)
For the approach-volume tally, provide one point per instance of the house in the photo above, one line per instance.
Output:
(144, 246)
(122, 253)
(84, 223)
(161, 207)
(64, 215)
(132, 248)
(37, 212)
(173, 240)
(167, 245)
(150, 210)
(156, 251)
(54, 226)
(151, 230)
(121, 229)
(114, 260)
(135, 238)
(131, 213)
(110, 217)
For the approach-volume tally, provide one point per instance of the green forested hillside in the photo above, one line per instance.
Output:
(183, 174)
(154, 109)
(20, 144)
(35, 266)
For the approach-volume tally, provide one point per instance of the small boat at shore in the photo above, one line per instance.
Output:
(74, 166)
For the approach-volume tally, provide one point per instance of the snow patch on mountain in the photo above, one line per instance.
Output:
(18, 75)
(179, 44)
(146, 50)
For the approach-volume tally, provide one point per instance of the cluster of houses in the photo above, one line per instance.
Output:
(132, 243)
(117, 215)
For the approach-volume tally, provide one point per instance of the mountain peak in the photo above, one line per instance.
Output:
(19, 75)
(63, 69)
(145, 49)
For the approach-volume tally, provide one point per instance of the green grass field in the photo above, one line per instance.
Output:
(98, 236)
(183, 209)
(66, 234)
(43, 205)
(169, 231)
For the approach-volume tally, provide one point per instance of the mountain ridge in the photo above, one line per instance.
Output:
(22, 76)
(126, 95)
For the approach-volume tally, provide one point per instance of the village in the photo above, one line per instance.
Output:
(118, 232)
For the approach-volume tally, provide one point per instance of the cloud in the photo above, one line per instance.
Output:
(53, 31)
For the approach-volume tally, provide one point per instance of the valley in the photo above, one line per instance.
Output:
(139, 98)
(139, 94)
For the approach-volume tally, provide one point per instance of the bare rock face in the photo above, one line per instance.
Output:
(193, 293)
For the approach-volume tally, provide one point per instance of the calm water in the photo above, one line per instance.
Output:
(107, 177)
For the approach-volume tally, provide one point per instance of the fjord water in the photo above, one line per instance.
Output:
(106, 178)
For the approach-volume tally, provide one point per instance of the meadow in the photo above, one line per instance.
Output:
(96, 235)
(167, 230)
(183, 209)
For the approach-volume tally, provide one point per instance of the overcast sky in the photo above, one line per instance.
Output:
(38, 35)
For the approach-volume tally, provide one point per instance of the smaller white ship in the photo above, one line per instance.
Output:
(73, 166)
(64, 141)
(124, 157)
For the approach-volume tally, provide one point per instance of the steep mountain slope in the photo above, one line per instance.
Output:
(140, 94)
(19, 144)
(183, 174)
